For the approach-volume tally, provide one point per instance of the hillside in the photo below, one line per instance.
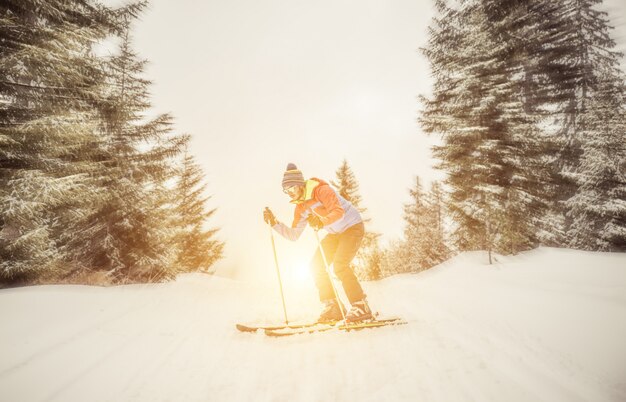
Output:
(546, 325)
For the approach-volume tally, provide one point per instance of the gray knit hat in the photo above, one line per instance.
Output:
(292, 177)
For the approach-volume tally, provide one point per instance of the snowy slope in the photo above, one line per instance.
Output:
(548, 325)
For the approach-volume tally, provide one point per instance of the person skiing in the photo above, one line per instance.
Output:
(320, 206)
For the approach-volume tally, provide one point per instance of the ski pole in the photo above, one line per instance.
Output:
(330, 278)
(280, 282)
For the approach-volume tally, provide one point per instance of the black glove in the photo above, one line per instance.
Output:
(315, 221)
(268, 217)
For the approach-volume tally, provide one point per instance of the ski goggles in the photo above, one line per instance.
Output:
(293, 190)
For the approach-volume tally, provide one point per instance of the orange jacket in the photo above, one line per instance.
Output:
(320, 199)
(335, 212)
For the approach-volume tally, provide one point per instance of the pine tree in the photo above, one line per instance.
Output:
(198, 249)
(486, 106)
(424, 235)
(598, 209)
(347, 185)
(466, 112)
(415, 225)
(595, 121)
(85, 178)
(127, 230)
(367, 265)
(394, 258)
(437, 249)
(49, 94)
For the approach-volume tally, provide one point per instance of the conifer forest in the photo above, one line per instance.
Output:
(527, 104)
(528, 100)
(92, 190)
(529, 108)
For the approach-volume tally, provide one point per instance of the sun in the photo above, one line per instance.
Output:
(300, 274)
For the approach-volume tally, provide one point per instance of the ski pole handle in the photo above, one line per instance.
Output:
(268, 217)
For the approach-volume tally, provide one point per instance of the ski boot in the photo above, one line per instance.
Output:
(360, 311)
(331, 312)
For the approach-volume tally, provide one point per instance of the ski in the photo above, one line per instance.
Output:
(375, 323)
(254, 328)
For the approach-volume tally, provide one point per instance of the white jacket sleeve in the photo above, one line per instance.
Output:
(289, 233)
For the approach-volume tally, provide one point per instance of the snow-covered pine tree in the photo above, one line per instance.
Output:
(527, 153)
(464, 112)
(414, 230)
(345, 182)
(595, 124)
(49, 90)
(128, 235)
(491, 149)
(542, 41)
(576, 86)
(197, 247)
(393, 258)
(367, 261)
(424, 236)
(598, 209)
(438, 250)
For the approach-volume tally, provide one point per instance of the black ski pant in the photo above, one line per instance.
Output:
(339, 250)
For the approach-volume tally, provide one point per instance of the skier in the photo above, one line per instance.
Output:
(320, 206)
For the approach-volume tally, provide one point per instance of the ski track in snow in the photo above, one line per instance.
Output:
(516, 331)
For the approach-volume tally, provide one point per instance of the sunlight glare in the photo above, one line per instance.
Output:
(300, 275)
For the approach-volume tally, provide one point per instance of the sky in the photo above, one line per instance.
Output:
(259, 84)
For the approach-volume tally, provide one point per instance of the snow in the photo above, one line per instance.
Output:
(548, 325)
